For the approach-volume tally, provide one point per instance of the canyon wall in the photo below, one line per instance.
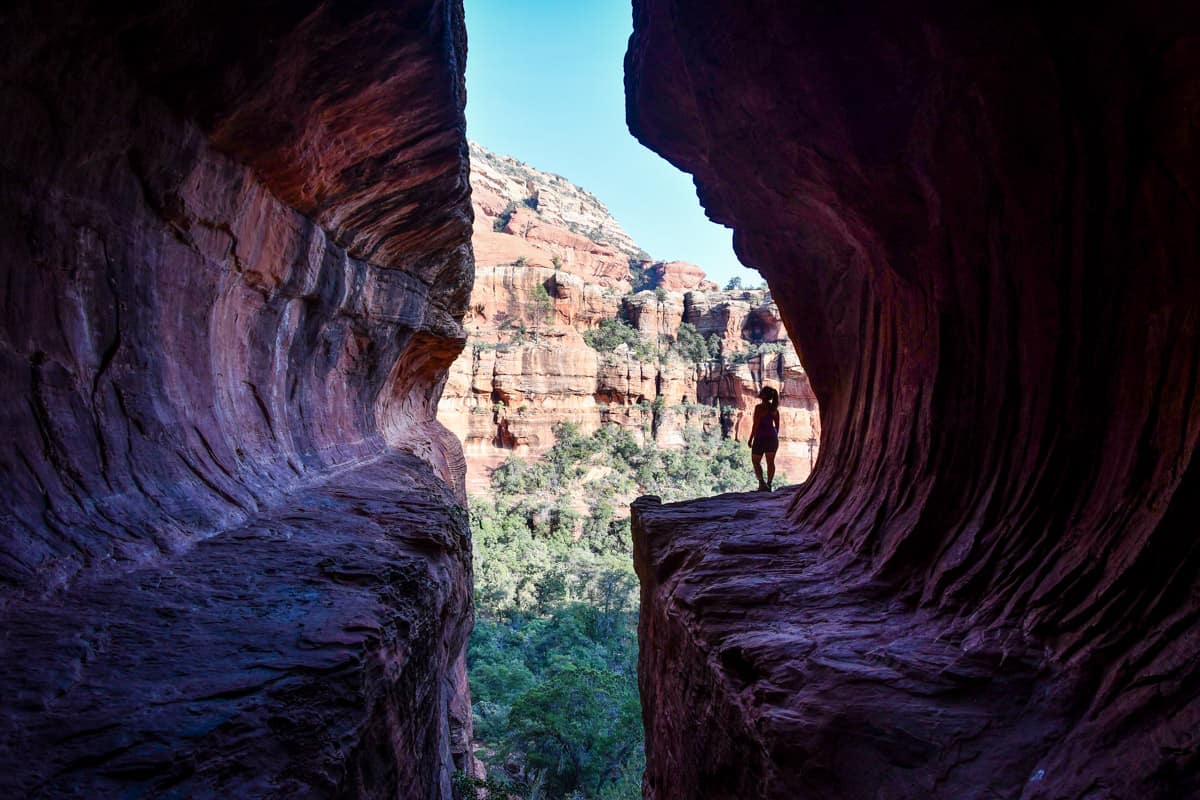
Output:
(235, 245)
(553, 264)
(981, 225)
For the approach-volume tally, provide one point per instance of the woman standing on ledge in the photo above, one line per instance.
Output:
(764, 436)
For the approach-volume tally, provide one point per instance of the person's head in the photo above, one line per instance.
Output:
(769, 396)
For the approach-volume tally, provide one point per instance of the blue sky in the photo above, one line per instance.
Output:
(545, 84)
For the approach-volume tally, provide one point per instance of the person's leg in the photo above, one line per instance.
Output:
(770, 470)
(756, 459)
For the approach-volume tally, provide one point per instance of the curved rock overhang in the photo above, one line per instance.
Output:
(235, 257)
(981, 224)
(233, 234)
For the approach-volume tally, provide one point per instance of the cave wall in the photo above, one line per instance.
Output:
(197, 318)
(234, 240)
(981, 224)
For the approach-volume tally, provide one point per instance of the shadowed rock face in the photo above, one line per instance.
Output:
(303, 654)
(235, 250)
(980, 227)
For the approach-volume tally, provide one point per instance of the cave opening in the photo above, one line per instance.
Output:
(630, 345)
(237, 279)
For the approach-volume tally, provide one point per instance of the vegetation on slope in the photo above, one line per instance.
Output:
(553, 657)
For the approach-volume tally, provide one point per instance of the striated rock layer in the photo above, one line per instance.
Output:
(235, 255)
(525, 215)
(325, 669)
(980, 226)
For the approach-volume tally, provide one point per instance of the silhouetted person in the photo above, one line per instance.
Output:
(764, 436)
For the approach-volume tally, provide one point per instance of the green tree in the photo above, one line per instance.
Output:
(690, 344)
(578, 727)
(552, 659)
(612, 333)
(541, 307)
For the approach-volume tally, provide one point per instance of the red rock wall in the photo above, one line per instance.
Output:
(180, 343)
(235, 251)
(540, 284)
(980, 225)
(506, 394)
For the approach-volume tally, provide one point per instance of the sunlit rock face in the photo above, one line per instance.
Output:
(680, 276)
(543, 220)
(553, 264)
(235, 246)
(980, 227)
(506, 394)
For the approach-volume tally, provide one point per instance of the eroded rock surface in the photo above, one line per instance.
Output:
(307, 653)
(543, 220)
(795, 681)
(680, 276)
(979, 226)
(517, 380)
(235, 255)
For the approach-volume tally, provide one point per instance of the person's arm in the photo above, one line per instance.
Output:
(775, 419)
(754, 425)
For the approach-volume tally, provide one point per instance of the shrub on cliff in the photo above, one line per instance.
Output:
(501, 221)
(541, 307)
(571, 450)
(552, 660)
(640, 276)
(754, 351)
(613, 333)
(690, 344)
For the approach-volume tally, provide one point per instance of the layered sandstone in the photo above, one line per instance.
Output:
(507, 392)
(538, 289)
(501, 182)
(527, 216)
(656, 314)
(235, 269)
(977, 225)
(308, 652)
(679, 276)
